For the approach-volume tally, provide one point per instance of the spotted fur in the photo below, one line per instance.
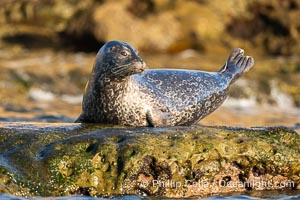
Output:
(122, 91)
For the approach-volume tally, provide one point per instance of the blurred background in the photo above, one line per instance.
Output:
(47, 51)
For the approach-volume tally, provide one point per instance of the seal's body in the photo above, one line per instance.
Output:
(122, 91)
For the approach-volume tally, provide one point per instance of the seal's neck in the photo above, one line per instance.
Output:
(109, 85)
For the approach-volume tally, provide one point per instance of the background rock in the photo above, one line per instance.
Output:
(269, 27)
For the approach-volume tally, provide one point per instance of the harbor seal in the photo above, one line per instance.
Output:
(121, 90)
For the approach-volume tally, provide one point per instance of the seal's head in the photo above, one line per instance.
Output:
(117, 60)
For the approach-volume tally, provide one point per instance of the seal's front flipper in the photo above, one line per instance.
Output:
(156, 118)
(236, 64)
(80, 119)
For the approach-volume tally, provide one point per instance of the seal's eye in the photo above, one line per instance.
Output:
(111, 49)
(124, 53)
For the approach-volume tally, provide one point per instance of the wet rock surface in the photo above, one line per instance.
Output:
(42, 159)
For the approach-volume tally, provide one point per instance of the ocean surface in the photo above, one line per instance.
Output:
(273, 194)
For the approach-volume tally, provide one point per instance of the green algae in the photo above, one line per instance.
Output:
(171, 162)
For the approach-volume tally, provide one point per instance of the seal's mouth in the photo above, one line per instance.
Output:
(139, 67)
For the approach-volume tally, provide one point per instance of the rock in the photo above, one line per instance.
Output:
(40, 159)
(260, 26)
(142, 33)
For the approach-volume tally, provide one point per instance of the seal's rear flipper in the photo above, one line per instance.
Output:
(236, 64)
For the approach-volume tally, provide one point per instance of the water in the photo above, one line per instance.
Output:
(47, 86)
(279, 195)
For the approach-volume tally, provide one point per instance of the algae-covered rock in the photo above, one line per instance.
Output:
(65, 159)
